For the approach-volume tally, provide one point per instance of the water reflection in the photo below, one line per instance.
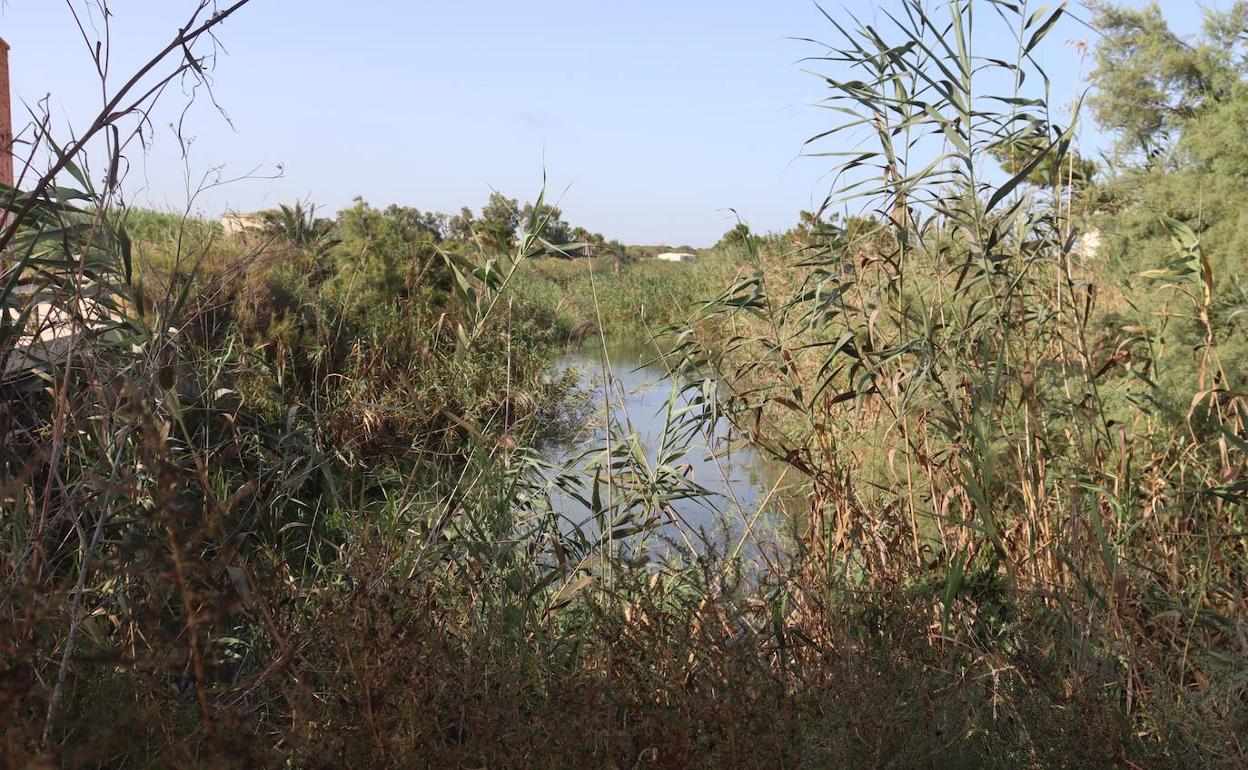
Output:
(742, 485)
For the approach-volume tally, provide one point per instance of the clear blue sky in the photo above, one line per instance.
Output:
(651, 118)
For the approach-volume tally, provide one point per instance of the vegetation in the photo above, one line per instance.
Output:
(635, 300)
(283, 501)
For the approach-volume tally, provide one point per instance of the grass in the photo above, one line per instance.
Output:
(634, 300)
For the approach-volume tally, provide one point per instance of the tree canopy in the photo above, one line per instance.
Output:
(1151, 83)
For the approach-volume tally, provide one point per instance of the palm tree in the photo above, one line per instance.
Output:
(301, 227)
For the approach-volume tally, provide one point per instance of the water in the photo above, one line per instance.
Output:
(742, 484)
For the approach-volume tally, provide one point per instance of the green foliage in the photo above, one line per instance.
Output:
(1151, 83)
(459, 226)
(552, 229)
(383, 256)
(1185, 102)
(735, 238)
(500, 217)
(1054, 171)
(301, 228)
(633, 300)
(162, 227)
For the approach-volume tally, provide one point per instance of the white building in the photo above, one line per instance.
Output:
(676, 256)
(236, 225)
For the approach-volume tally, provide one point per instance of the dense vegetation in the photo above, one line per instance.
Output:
(283, 500)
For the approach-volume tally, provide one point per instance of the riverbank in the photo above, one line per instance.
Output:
(633, 300)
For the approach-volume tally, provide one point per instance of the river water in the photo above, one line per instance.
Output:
(630, 391)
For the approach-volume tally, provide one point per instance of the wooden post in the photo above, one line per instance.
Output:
(6, 119)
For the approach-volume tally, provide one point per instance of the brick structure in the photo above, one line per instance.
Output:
(6, 119)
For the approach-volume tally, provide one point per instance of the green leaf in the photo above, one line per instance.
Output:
(953, 583)
(123, 244)
(1040, 33)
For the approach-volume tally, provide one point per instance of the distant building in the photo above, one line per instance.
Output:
(236, 225)
(676, 256)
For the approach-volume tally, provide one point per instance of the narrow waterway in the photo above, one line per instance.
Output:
(630, 392)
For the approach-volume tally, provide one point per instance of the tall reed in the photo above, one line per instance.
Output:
(968, 429)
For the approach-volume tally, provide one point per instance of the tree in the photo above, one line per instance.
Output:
(459, 226)
(1179, 109)
(414, 221)
(1151, 83)
(549, 221)
(1055, 172)
(582, 235)
(499, 218)
(738, 235)
(810, 224)
(385, 254)
(301, 227)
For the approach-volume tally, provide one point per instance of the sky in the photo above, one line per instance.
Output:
(652, 121)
